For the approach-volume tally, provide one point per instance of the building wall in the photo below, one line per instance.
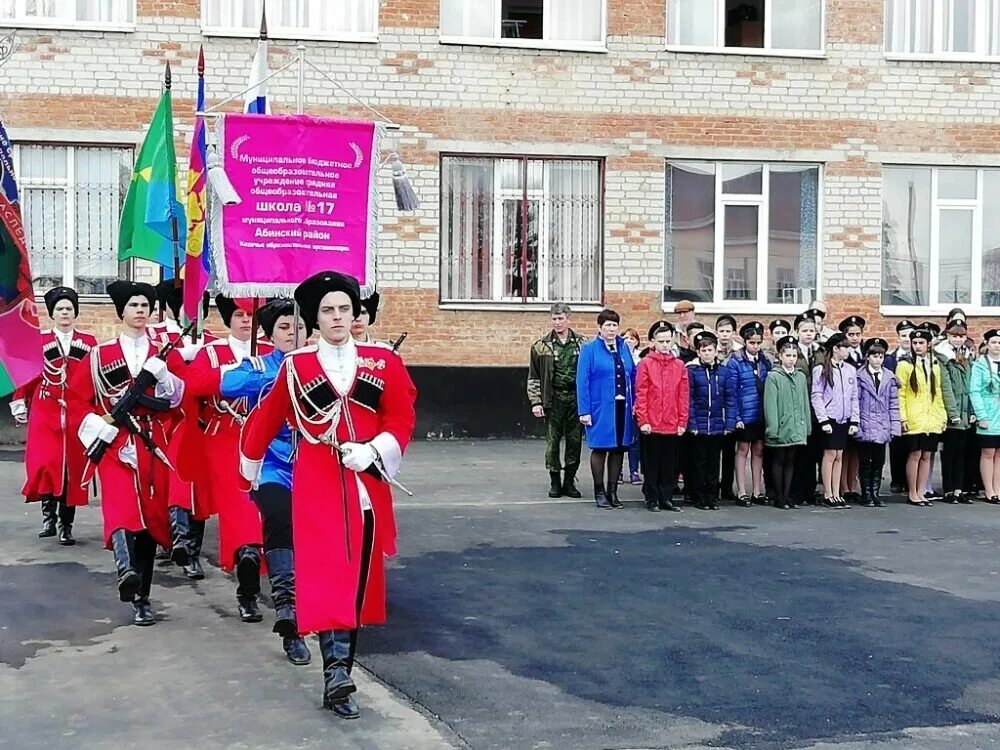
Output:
(634, 106)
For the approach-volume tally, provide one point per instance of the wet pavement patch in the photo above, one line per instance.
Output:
(789, 644)
(44, 603)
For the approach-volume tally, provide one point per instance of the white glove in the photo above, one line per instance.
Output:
(157, 368)
(19, 410)
(108, 434)
(357, 456)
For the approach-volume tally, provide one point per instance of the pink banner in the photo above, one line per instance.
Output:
(309, 202)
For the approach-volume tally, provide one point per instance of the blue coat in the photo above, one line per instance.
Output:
(749, 386)
(595, 393)
(252, 379)
(713, 399)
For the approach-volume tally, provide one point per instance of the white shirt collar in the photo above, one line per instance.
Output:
(63, 338)
(340, 363)
(241, 349)
(135, 350)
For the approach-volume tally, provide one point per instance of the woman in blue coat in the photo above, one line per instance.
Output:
(605, 396)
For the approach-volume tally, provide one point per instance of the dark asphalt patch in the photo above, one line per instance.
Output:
(791, 644)
(60, 601)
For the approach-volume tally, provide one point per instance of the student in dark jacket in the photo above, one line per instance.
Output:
(748, 369)
(712, 416)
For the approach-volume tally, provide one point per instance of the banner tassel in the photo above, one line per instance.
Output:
(406, 197)
(219, 180)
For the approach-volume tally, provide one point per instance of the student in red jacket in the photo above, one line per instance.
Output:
(661, 411)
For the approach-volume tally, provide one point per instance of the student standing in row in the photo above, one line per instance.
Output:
(956, 375)
(661, 409)
(878, 409)
(712, 417)
(748, 368)
(921, 412)
(984, 391)
(897, 448)
(835, 402)
(810, 355)
(787, 419)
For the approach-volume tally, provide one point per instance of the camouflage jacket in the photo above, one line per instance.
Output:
(542, 364)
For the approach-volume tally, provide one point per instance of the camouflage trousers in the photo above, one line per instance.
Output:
(563, 423)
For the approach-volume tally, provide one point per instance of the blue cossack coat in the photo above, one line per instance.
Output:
(595, 393)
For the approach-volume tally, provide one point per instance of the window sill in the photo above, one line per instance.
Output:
(940, 311)
(292, 35)
(525, 307)
(58, 25)
(742, 308)
(943, 57)
(535, 44)
(751, 51)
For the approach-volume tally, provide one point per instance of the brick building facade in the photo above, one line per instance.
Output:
(654, 149)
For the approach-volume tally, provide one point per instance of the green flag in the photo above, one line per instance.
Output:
(153, 225)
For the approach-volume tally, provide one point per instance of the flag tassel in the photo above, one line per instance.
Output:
(406, 196)
(219, 180)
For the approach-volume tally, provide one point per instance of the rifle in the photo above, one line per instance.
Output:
(121, 413)
(399, 342)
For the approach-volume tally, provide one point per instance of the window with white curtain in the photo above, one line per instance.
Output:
(937, 225)
(575, 23)
(741, 233)
(943, 28)
(71, 199)
(520, 229)
(793, 26)
(68, 13)
(293, 19)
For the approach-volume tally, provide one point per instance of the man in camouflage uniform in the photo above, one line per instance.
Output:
(552, 393)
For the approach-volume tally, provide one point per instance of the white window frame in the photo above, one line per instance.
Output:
(762, 201)
(938, 51)
(293, 33)
(977, 206)
(23, 21)
(567, 45)
(719, 47)
(68, 186)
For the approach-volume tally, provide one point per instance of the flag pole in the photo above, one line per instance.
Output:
(175, 230)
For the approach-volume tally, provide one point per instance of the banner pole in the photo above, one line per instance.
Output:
(253, 332)
(302, 79)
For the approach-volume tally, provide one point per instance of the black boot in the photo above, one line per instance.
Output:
(123, 548)
(601, 498)
(569, 486)
(653, 506)
(67, 514)
(338, 686)
(865, 479)
(193, 569)
(281, 572)
(875, 488)
(248, 576)
(555, 486)
(145, 558)
(48, 518)
(180, 536)
(613, 494)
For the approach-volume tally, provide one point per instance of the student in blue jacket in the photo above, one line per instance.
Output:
(711, 417)
(748, 369)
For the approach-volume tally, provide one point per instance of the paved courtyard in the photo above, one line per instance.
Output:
(520, 622)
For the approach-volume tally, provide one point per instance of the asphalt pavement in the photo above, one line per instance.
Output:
(521, 622)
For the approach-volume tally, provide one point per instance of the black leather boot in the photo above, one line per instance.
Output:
(248, 577)
(145, 559)
(569, 486)
(338, 686)
(48, 518)
(123, 549)
(601, 498)
(555, 485)
(67, 514)
(180, 536)
(193, 569)
(613, 495)
(281, 573)
(865, 478)
(875, 488)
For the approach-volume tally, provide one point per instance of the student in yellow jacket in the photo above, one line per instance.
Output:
(921, 411)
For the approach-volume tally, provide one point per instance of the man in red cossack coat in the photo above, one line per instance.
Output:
(352, 407)
(241, 536)
(53, 458)
(134, 478)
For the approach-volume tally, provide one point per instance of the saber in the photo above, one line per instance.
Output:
(331, 440)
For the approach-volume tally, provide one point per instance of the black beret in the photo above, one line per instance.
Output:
(753, 328)
(803, 318)
(704, 337)
(813, 312)
(956, 323)
(905, 325)
(226, 308)
(779, 322)
(869, 343)
(58, 294)
(934, 328)
(991, 334)
(660, 325)
(122, 291)
(837, 339)
(922, 333)
(311, 292)
(851, 320)
(786, 341)
(723, 319)
(269, 314)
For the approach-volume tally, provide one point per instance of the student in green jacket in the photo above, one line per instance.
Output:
(787, 419)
